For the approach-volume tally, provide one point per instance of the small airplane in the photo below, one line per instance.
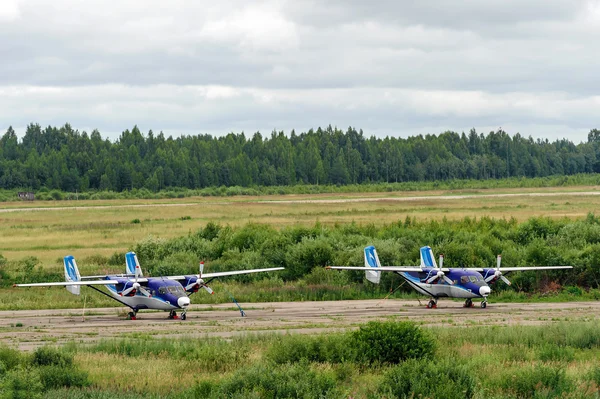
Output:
(137, 292)
(436, 281)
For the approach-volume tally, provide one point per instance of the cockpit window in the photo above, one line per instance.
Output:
(162, 290)
(464, 279)
(175, 290)
(473, 279)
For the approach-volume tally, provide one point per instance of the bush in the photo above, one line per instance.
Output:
(262, 381)
(10, 358)
(56, 195)
(58, 376)
(552, 352)
(48, 356)
(21, 383)
(536, 381)
(392, 342)
(423, 378)
(334, 348)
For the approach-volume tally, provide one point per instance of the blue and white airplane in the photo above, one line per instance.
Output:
(436, 281)
(138, 292)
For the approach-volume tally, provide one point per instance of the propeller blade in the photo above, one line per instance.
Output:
(505, 280)
(191, 285)
(490, 278)
(498, 261)
(208, 289)
(432, 279)
(448, 280)
(201, 269)
(145, 292)
(441, 261)
(131, 290)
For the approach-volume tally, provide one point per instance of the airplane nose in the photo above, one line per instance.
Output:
(485, 290)
(183, 301)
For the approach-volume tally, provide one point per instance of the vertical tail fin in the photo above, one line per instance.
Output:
(131, 263)
(72, 274)
(427, 259)
(372, 260)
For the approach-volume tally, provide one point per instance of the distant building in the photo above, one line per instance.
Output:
(26, 196)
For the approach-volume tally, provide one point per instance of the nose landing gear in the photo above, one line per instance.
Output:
(484, 303)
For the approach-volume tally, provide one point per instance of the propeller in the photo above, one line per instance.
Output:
(135, 287)
(440, 274)
(199, 283)
(497, 274)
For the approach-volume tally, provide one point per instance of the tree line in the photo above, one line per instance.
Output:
(71, 160)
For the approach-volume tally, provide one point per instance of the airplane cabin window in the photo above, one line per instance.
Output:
(162, 290)
(473, 279)
(464, 279)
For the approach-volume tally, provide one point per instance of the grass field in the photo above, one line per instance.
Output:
(51, 230)
(552, 360)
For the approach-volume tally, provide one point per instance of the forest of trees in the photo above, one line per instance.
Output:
(69, 160)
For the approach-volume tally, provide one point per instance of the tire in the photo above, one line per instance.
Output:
(483, 305)
(183, 317)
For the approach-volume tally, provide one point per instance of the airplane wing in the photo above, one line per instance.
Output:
(381, 268)
(68, 283)
(230, 273)
(520, 268)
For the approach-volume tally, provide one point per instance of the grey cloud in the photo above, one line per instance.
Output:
(110, 65)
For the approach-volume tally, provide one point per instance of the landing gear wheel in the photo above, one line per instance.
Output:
(131, 315)
(468, 303)
(432, 304)
(483, 304)
(172, 314)
(183, 316)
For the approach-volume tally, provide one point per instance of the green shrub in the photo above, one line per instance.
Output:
(59, 376)
(552, 352)
(392, 342)
(136, 221)
(428, 379)
(536, 381)
(48, 356)
(56, 195)
(264, 381)
(334, 348)
(9, 357)
(21, 382)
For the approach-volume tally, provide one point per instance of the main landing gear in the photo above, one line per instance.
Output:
(432, 304)
(132, 315)
(173, 315)
(468, 303)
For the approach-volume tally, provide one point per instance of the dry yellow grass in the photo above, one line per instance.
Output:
(84, 228)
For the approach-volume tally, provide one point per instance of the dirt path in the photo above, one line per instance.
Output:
(32, 328)
(431, 197)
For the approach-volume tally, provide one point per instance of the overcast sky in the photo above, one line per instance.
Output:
(389, 67)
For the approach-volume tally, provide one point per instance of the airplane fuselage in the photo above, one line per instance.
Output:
(165, 294)
(467, 283)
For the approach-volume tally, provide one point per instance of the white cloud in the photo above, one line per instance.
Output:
(9, 10)
(395, 67)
